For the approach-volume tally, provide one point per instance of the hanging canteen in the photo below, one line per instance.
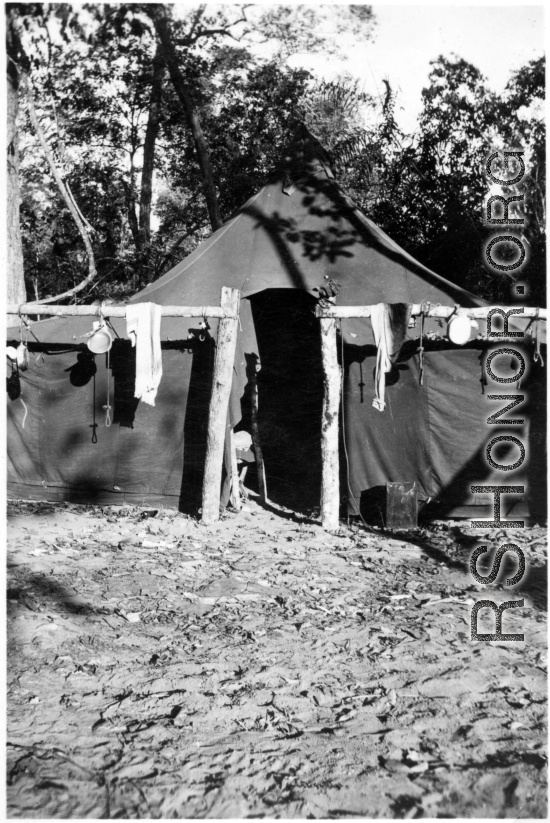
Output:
(459, 329)
(100, 341)
(22, 354)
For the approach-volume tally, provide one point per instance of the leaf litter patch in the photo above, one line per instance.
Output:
(260, 667)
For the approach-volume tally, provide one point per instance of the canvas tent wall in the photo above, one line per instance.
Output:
(296, 232)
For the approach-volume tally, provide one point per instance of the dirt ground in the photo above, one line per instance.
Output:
(261, 667)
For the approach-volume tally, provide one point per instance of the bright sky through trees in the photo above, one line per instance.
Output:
(496, 39)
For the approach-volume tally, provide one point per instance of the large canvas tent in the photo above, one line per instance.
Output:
(297, 232)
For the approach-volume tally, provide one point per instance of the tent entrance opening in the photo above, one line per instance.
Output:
(290, 395)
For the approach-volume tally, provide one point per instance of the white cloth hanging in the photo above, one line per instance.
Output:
(143, 329)
(378, 318)
(389, 326)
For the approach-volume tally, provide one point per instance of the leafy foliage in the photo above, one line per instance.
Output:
(435, 187)
(92, 71)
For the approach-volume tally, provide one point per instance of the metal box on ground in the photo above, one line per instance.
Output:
(401, 506)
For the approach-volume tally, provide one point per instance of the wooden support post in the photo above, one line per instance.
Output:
(235, 492)
(260, 466)
(330, 483)
(219, 404)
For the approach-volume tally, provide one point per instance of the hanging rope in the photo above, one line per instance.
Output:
(93, 425)
(107, 408)
(26, 410)
(40, 355)
(15, 371)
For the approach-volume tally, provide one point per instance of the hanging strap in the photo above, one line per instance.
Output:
(110, 325)
(483, 379)
(424, 307)
(537, 357)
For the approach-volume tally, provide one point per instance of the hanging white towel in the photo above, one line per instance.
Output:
(389, 326)
(143, 329)
(378, 318)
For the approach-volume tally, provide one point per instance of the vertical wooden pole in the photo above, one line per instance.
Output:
(219, 404)
(330, 483)
(256, 440)
(235, 492)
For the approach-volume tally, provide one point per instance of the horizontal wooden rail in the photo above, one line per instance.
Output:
(330, 493)
(51, 310)
(228, 312)
(433, 311)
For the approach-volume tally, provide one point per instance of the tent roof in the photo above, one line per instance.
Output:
(297, 230)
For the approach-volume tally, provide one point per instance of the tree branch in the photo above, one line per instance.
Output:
(196, 19)
(67, 197)
(173, 248)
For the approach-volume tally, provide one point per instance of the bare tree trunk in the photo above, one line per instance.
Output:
(219, 404)
(149, 149)
(131, 211)
(159, 17)
(16, 280)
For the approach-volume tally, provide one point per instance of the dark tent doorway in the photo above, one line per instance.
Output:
(290, 395)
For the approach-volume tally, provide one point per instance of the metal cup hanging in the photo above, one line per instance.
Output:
(459, 329)
(100, 339)
(22, 357)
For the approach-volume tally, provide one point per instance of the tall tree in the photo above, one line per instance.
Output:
(160, 19)
(151, 134)
(16, 292)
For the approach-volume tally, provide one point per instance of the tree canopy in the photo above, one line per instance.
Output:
(161, 123)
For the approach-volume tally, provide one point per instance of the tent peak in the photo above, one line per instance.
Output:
(305, 155)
